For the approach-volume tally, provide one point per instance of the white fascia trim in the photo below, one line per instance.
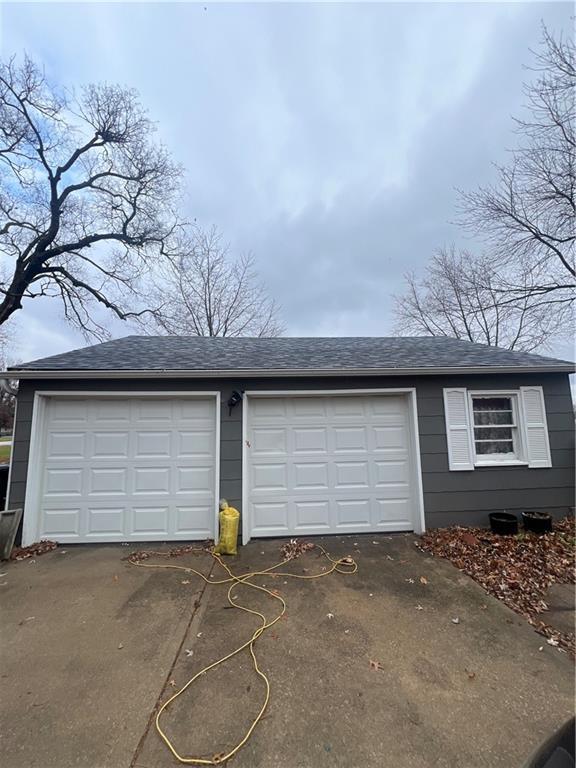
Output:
(280, 372)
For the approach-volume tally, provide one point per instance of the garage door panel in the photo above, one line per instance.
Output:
(391, 472)
(270, 517)
(194, 520)
(63, 482)
(69, 412)
(111, 481)
(267, 408)
(151, 480)
(309, 440)
(195, 444)
(324, 464)
(348, 439)
(269, 477)
(107, 521)
(269, 441)
(108, 445)
(346, 408)
(310, 475)
(195, 481)
(353, 513)
(390, 511)
(389, 438)
(312, 514)
(114, 411)
(155, 445)
(351, 474)
(307, 408)
(66, 445)
(148, 520)
(127, 467)
(61, 523)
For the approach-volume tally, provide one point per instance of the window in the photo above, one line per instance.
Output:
(495, 423)
(499, 427)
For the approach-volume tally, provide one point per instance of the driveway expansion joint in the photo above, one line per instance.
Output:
(195, 611)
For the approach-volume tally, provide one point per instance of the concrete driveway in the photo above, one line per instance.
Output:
(89, 646)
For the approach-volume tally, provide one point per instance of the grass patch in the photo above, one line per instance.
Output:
(5, 453)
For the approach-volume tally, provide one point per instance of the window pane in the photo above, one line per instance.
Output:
(493, 417)
(493, 433)
(495, 447)
(492, 404)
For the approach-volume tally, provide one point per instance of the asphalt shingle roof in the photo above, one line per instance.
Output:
(192, 353)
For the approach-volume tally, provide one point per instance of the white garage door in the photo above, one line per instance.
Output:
(130, 468)
(330, 464)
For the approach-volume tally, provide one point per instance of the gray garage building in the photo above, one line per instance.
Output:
(137, 439)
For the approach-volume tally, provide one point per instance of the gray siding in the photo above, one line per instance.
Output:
(449, 497)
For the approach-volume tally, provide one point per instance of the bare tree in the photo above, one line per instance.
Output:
(208, 292)
(527, 217)
(459, 295)
(86, 196)
(7, 396)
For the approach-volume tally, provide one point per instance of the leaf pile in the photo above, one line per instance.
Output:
(294, 548)
(518, 570)
(186, 549)
(39, 548)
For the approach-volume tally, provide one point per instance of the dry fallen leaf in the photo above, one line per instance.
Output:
(188, 652)
(120, 646)
(375, 665)
(186, 581)
(423, 580)
(518, 570)
(456, 620)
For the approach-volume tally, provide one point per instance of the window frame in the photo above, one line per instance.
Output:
(518, 458)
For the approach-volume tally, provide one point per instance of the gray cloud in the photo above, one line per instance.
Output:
(327, 139)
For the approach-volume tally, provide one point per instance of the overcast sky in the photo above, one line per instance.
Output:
(328, 139)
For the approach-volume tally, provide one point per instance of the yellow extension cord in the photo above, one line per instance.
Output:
(342, 565)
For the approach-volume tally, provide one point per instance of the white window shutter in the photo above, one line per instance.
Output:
(535, 427)
(458, 432)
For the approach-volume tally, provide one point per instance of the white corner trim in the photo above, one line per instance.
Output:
(246, 518)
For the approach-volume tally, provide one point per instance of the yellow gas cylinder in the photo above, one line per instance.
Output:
(228, 540)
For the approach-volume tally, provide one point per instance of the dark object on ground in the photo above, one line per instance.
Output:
(537, 522)
(39, 548)
(9, 522)
(4, 470)
(503, 523)
(557, 751)
(518, 570)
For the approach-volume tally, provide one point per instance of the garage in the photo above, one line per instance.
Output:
(331, 463)
(121, 468)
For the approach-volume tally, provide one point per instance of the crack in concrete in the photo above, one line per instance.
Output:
(195, 613)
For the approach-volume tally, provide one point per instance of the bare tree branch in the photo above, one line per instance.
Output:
(79, 175)
(461, 295)
(204, 291)
(527, 218)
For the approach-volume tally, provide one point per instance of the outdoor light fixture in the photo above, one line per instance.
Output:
(234, 399)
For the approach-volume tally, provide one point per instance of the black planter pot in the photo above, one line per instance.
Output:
(503, 523)
(537, 522)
